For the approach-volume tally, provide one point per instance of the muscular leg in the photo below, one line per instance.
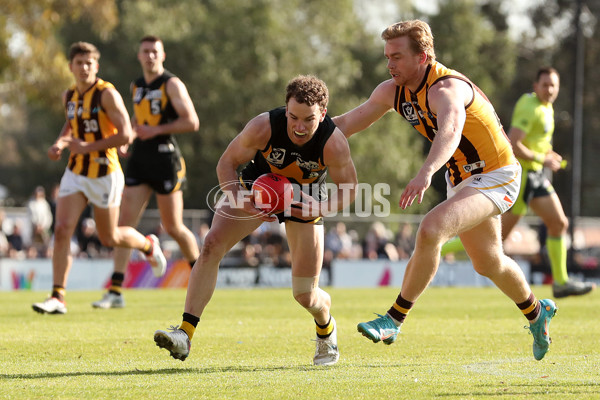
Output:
(171, 215)
(458, 214)
(226, 230)
(484, 246)
(133, 204)
(68, 211)
(306, 248)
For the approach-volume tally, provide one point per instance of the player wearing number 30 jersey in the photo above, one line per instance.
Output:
(89, 122)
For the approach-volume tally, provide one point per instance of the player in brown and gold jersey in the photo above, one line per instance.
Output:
(97, 123)
(483, 176)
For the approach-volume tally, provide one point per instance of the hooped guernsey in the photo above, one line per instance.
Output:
(303, 165)
(90, 123)
(483, 146)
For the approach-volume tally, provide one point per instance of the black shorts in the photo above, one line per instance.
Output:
(247, 178)
(163, 172)
(534, 184)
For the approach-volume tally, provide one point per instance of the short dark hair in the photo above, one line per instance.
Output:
(309, 90)
(83, 48)
(546, 70)
(151, 38)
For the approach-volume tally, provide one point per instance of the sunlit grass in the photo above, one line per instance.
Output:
(457, 343)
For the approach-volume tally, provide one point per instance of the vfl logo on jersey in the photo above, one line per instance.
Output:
(138, 95)
(70, 109)
(409, 113)
(473, 166)
(276, 156)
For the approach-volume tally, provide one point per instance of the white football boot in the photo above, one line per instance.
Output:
(176, 341)
(110, 300)
(157, 259)
(51, 305)
(327, 352)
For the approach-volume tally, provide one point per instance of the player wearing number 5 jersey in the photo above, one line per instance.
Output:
(162, 107)
(97, 122)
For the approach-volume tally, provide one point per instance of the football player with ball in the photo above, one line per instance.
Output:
(301, 143)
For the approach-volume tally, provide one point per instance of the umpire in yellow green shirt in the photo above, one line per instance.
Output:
(530, 134)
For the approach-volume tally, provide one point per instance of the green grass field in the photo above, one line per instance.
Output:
(256, 344)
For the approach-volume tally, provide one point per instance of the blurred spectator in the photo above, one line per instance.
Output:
(338, 244)
(16, 244)
(89, 243)
(250, 257)
(52, 203)
(377, 243)
(275, 250)
(405, 241)
(3, 241)
(357, 249)
(41, 219)
(339, 241)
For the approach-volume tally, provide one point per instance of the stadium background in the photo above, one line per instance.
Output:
(236, 56)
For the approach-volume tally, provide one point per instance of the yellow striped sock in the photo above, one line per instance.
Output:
(188, 328)
(324, 331)
(115, 289)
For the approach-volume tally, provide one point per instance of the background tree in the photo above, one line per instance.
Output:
(236, 57)
(33, 74)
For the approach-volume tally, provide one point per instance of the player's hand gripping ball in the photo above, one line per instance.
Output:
(273, 193)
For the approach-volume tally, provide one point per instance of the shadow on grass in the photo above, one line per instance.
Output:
(168, 371)
(527, 390)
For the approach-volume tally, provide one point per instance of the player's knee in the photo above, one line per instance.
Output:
(62, 231)
(488, 265)
(308, 294)
(108, 240)
(173, 230)
(563, 224)
(482, 269)
(429, 232)
(213, 246)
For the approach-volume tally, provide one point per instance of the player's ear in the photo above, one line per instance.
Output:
(323, 113)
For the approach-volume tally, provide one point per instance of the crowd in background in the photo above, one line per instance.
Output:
(31, 237)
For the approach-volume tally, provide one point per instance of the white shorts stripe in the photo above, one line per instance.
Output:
(501, 185)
